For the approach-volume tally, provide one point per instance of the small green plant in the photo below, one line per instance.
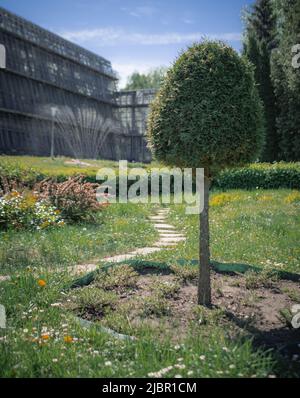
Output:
(119, 278)
(165, 289)
(93, 300)
(265, 278)
(155, 305)
(206, 316)
(219, 292)
(286, 315)
(293, 294)
(185, 273)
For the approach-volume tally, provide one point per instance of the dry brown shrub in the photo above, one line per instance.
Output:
(75, 198)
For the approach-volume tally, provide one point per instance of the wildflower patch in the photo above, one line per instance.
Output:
(26, 210)
(224, 199)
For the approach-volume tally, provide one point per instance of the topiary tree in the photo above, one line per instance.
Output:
(207, 114)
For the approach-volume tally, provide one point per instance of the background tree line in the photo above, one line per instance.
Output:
(272, 28)
(153, 79)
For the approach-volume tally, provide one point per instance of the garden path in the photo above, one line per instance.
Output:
(168, 238)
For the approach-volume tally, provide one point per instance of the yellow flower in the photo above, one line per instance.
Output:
(68, 339)
(14, 194)
(45, 337)
(41, 282)
(45, 224)
(294, 197)
(265, 198)
(223, 199)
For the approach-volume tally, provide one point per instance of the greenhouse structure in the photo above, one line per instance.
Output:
(59, 99)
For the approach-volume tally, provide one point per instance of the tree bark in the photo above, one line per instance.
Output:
(204, 284)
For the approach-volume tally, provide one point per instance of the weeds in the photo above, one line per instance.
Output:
(164, 289)
(205, 316)
(185, 273)
(118, 278)
(92, 300)
(265, 278)
(154, 305)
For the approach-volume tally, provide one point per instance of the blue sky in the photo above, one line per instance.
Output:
(132, 34)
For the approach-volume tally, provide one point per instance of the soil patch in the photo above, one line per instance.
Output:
(163, 301)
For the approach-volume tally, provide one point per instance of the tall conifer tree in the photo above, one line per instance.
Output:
(258, 45)
(286, 77)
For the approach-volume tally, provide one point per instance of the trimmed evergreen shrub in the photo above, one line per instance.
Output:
(261, 175)
(207, 114)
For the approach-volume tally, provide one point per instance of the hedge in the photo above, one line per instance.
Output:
(260, 175)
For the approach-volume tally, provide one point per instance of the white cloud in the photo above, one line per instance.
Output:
(143, 11)
(188, 21)
(117, 36)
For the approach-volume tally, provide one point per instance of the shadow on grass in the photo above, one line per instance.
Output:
(282, 343)
(222, 268)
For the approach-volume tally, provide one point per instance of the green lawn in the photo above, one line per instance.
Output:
(249, 227)
(62, 166)
(117, 229)
(43, 340)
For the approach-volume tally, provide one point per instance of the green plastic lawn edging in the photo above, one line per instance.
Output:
(228, 268)
(89, 325)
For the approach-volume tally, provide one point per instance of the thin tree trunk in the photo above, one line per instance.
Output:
(204, 285)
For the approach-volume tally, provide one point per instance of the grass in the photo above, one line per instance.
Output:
(258, 228)
(44, 340)
(61, 166)
(118, 229)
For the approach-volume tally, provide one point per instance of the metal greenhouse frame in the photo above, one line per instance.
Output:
(50, 84)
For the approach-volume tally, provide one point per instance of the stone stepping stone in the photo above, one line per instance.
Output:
(144, 251)
(166, 231)
(166, 244)
(124, 257)
(4, 278)
(171, 235)
(119, 259)
(157, 218)
(84, 268)
(173, 239)
(164, 226)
